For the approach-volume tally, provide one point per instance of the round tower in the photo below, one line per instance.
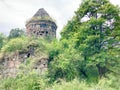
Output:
(41, 25)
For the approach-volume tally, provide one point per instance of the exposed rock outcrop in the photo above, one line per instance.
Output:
(10, 62)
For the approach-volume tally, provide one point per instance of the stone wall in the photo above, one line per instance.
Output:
(10, 63)
(41, 28)
(41, 65)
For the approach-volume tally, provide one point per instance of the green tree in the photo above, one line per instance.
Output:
(15, 44)
(96, 33)
(2, 40)
(16, 33)
(63, 61)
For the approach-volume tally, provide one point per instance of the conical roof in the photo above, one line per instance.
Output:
(41, 13)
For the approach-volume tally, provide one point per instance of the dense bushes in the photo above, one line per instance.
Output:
(88, 50)
(103, 84)
(21, 43)
(3, 40)
(33, 81)
(14, 44)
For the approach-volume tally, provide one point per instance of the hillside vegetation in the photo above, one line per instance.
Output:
(87, 57)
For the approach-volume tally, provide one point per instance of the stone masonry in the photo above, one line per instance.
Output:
(41, 25)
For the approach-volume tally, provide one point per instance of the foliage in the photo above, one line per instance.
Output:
(22, 43)
(88, 50)
(31, 81)
(103, 84)
(14, 33)
(2, 40)
(97, 38)
(15, 44)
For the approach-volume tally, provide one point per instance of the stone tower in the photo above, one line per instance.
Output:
(41, 25)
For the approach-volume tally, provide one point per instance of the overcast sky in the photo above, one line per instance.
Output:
(14, 13)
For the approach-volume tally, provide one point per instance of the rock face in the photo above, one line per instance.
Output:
(10, 64)
(41, 65)
(41, 25)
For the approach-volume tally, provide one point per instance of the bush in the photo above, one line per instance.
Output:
(15, 44)
(103, 84)
(31, 81)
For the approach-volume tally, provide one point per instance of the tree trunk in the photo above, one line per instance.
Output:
(101, 70)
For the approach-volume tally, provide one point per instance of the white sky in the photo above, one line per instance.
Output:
(14, 13)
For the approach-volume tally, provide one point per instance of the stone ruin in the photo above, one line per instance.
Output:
(10, 63)
(41, 25)
(41, 65)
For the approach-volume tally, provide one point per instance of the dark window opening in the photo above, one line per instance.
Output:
(42, 31)
(46, 32)
(44, 64)
(35, 67)
(28, 55)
